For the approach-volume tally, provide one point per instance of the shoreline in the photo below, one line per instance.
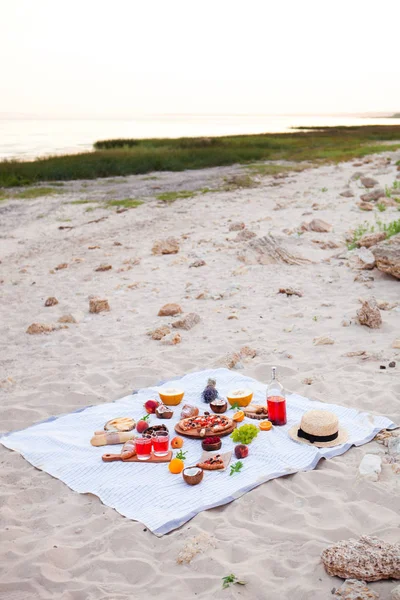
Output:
(123, 157)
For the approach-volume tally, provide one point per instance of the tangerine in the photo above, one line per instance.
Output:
(176, 442)
(176, 466)
(238, 416)
(265, 425)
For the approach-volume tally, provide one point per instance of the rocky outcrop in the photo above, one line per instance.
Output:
(369, 314)
(317, 225)
(361, 258)
(352, 589)
(170, 310)
(373, 196)
(187, 322)
(267, 250)
(371, 239)
(98, 305)
(387, 256)
(236, 226)
(51, 301)
(168, 246)
(368, 182)
(368, 559)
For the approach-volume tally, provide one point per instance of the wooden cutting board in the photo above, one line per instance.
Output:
(196, 434)
(152, 459)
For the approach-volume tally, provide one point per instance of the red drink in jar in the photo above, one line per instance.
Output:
(143, 448)
(277, 410)
(161, 443)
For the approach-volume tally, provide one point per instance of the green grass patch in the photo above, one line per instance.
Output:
(381, 207)
(119, 158)
(172, 196)
(237, 182)
(265, 169)
(125, 203)
(37, 192)
(83, 201)
(392, 228)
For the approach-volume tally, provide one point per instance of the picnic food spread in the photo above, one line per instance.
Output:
(151, 442)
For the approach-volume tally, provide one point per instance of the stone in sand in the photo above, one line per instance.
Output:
(365, 206)
(172, 339)
(247, 352)
(368, 182)
(67, 319)
(317, 225)
(370, 467)
(103, 268)
(389, 202)
(290, 292)
(98, 305)
(373, 196)
(51, 301)
(267, 250)
(159, 333)
(244, 235)
(362, 258)
(353, 589)
(371, 239)
(387, 256)
(170, 310)
(167, 246)
(236, 226)
(197, 263)
(369, 314)
(232, 360)
(395, 593)
(187, 322)
(347, 194)
(396, 344)
(323, 340)
(62, 266)
(38, 328)
(368, 559)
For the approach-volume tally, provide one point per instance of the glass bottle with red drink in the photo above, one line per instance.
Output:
(276, 401)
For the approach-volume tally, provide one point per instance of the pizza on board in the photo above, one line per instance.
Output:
(205, 424)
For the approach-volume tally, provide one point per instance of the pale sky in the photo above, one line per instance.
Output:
(121, 58)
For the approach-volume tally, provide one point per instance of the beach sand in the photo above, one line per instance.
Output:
(57, 544)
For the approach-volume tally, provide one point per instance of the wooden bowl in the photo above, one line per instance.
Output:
(217, 407)
(195, 478)
(211, 447)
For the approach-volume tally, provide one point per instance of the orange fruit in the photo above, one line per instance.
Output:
(176, 466)
(265, 425)
(176, 442)
(238, 416)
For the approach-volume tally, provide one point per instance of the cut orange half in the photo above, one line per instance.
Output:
(238, 416)
(265, 425)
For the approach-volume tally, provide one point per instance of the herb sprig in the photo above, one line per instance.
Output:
(236, 467)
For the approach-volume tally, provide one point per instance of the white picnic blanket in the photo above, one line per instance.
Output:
(149, 492)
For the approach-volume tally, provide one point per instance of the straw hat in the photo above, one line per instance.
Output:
(315, 426)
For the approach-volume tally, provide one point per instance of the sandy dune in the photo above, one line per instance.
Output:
(57, 544)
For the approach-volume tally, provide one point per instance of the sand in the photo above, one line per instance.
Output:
(57, 544)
